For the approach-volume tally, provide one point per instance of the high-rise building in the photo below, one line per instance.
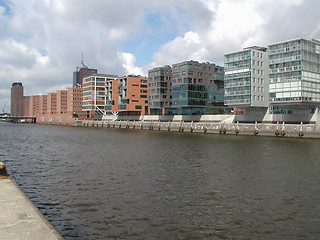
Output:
(197, 88)
(16, 99)
(294, 76)
(246, 78)
(82, 71)
(160, 84)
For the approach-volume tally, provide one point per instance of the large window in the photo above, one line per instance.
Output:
(185, 67)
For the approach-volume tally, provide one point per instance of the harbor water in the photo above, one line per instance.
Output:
(105, 183)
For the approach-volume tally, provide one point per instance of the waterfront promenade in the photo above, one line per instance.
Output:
(253, 129)
(19, 218)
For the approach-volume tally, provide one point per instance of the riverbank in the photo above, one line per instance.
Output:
(255, 129)
(19, 218)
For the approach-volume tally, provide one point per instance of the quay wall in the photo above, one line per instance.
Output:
(20, 218)
(223, 127)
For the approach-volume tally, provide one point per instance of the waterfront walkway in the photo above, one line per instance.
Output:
(19, 218)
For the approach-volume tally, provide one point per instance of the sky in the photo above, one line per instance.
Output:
(41, 41)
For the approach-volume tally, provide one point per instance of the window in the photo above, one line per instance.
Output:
(261, 72)
(138, 107)
(144, 86)
(253, 62)
(143, 96)
(144, 91)
(143, 81)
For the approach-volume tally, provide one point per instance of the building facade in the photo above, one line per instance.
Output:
(16, 99)
(197, 88)
(246, 78)
(62, 103)
(112, 96)
(160, 86)
(74, 100)
(133, 96)
(82, 71)
(94, 94)
(294, 76)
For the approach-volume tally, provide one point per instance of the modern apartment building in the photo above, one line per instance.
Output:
(294, 76)
(94, 94)
(133, 95)
(112, 96)
(197, 88)
(160, 85)
(16, 99)
(246, 78)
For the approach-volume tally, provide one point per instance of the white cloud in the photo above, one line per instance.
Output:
(128, 63)
(41, 41)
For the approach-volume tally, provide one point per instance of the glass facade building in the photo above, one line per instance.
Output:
(160, 83)
(246, 78)
(197, 88)
(294, 73)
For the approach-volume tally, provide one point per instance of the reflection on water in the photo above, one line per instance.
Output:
(128, 184)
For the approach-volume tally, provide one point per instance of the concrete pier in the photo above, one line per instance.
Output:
(19, 218)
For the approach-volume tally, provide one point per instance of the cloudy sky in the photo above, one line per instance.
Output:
(41, 41)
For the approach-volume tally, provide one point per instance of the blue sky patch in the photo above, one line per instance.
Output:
(7, 6)
(157, 30)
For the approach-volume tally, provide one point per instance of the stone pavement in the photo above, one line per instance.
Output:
(19, 218)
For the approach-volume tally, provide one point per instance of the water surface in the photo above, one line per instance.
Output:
(94, 183)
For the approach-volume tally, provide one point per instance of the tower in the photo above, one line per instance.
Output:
(16, 99)
(81, 72)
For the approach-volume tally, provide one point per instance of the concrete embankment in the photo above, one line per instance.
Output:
(19, 218)
(257, 129)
